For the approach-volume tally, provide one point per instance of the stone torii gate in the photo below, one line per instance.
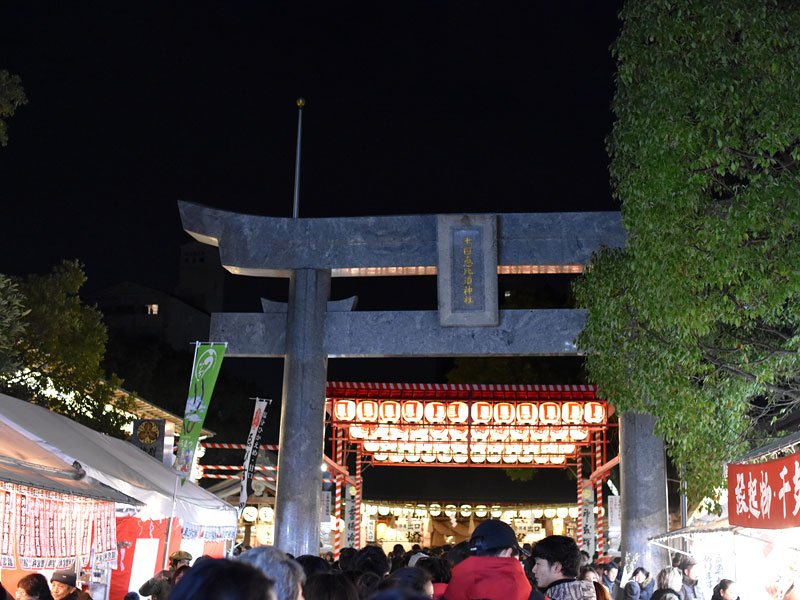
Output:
(466, 252)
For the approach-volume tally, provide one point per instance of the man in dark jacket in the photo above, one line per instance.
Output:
(689, 591)
(555, 568)
(160, 585)
(493, 571)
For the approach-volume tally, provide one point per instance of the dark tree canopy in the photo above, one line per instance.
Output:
(57, 352)
(12, 96)
(696, 321)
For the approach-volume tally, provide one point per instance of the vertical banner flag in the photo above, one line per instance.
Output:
(207, 361)
(251, 453)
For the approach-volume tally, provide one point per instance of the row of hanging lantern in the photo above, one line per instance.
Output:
(478, 412)
(478, 433)
(476, 452)
(466, 510)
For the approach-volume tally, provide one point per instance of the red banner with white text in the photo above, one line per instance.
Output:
(765, 495)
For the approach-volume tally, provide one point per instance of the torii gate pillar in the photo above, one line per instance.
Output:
(302, 432)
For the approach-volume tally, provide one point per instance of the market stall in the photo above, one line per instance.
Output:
(755, 541)
(201, 524)
(52, 515)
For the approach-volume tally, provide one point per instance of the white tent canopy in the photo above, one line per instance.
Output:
(24, 462)
(118, 464)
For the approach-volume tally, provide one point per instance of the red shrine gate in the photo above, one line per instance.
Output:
(468, 426)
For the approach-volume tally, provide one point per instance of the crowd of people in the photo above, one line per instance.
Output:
(490, 566)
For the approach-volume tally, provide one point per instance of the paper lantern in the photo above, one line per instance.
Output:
(481, 412)
(435, 412)
(412, 411)
(558, 460)
(457, 412)
(559, 433)
(571, 412)
(574, 512)
(578, 433)
(344, 410)
(439, 433)
(549, 513)
(389, 411)
(594, 412)
(499, 433)
(357, 432)
(550, 413)
(367, 410)
(519, 434)
(527, 414)
(504, 413)
(459, 432)
(435, 510)
(418, 434)
(539, 434)
(537, 513)
(480, 433)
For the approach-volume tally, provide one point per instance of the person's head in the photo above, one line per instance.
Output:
(347, 559)
(588, 573)
(287, 575)
(131, 596)
(670, 578)
(610, 570)
(398, 550)
(726, 589)
(223, 579)
(33, 587)
(333, 585)
(372, 558)
(689, 567)
(494, 538)
(585, 559)
(367, 583)
(555, 557)
(179, 558)
(62, 583)
(410, 578)
(313, 564)
(179, 573)
(438, 568)
(458, 553)
(640, 575)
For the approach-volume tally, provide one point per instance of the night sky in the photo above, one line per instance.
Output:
(412, 107)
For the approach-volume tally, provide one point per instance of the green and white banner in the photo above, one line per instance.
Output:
(207, 361)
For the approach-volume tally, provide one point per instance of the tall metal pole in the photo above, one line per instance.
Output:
(296, 210)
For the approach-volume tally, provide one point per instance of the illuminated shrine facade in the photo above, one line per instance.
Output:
(481, 425)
